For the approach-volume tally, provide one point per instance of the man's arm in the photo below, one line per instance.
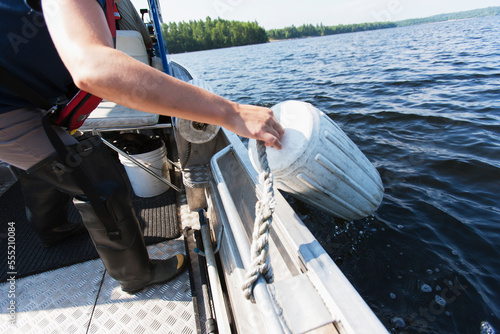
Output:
(83, 41)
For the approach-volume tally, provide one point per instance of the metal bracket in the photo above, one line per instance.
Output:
(219, 242)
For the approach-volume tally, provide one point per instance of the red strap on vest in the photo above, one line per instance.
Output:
(110, 16)
(117, 13)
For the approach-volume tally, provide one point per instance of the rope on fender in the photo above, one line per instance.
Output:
(259, 251)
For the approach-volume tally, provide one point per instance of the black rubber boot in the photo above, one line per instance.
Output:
(125, 258)
(47, 210)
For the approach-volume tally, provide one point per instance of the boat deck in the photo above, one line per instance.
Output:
(83, 298)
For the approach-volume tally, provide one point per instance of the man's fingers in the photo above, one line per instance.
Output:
(280, 129)
(272, 137)
(272, 140)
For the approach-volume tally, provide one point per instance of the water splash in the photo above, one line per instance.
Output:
(486, 328)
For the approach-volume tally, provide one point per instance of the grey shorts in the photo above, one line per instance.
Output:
(23, 142)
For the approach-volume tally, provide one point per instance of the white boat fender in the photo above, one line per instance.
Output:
(320, 165)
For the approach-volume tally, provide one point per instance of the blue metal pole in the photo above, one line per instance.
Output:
(153, 9)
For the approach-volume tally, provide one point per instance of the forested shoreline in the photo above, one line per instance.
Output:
(490, 11)
(309, 30)
(211, 34)
(219, 33)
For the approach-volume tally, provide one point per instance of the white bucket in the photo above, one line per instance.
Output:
(144, 184)
(320, 165)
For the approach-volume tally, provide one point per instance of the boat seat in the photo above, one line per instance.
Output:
(131, 43)
(111, 115)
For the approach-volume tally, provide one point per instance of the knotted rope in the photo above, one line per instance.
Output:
(259, 251)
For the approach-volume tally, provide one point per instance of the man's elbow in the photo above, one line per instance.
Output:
(87, 74)
(84, 81)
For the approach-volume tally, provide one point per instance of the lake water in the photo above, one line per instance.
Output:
(423, 104)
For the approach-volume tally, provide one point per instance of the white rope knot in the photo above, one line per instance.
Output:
(264, 209)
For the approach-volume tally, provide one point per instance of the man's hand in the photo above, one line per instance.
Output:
(257, 123)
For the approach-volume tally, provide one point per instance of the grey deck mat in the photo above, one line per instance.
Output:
(157, 215)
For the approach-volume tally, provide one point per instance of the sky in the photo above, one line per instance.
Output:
(281, 13)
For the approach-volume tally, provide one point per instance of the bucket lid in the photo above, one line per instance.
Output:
(298, 119)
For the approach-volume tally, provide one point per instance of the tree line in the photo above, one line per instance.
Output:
(309, 30)
(211, 34)
(490, 11)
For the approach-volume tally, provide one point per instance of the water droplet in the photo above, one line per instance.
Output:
(429, 271)
(398, 322)
(438, 288)
(400, 227)
(436, 270)
(440, 300)
(426, 288)
(486, 328)
(393, 295)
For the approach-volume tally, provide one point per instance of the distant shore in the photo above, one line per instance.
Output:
(309, 30)
(216, 34)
